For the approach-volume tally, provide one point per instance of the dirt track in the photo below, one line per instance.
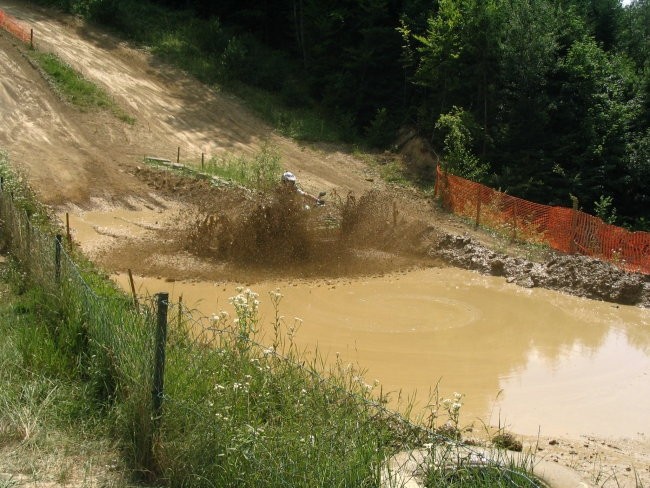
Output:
(85, 162)
(88, 153)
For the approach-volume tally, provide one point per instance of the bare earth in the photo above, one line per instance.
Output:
(92, 162)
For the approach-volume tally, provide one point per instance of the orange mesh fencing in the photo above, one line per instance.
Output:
(564, 229)
(8, 23)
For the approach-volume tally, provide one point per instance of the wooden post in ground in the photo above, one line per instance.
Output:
(514, 221)
(178, 155)
(180, 312)
(478, 205)
(154, 416)
(67, 229)
(31, 39)
(202, 161)
(135, 297)
(574, 224)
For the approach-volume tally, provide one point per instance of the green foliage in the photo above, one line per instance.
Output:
(75, 88)
(457, 157)
(506, 440)
(474, 475)
(381, 130)
(262, 172)
(605, 210)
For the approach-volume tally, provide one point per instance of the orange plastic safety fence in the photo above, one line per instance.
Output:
(564, 229)
(8, 23)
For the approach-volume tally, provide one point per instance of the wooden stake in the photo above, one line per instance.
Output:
(202, 161)
(574, 223)
(67, 229)
(180, 311)
(135, 297)
(514, 221)
(478, 205)
(162, 301)
(57, 258)
(31, 39)
(178, 155)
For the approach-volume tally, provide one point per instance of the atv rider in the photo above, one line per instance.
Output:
(289, 182)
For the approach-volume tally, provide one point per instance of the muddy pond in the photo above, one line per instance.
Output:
(528, 360)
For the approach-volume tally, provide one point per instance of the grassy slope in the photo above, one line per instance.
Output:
(49, 432)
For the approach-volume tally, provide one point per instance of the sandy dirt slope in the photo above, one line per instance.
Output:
(171, 109)
(64, 152)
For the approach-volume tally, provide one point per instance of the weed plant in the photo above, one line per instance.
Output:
(467, 474)
(247, 415)
(261, 172)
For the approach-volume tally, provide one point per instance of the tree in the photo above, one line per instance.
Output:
(457, 157)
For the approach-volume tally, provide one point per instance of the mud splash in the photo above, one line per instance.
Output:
(279, 229)
(526, 359)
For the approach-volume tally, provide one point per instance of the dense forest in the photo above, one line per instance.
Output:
(544, 99)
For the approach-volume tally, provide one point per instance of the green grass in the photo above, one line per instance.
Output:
(75, 88)
(260, 172)
(483, 475)
(48, 429)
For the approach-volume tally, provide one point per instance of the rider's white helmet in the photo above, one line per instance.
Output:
(289, 177)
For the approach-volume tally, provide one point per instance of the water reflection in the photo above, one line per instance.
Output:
(529, 358)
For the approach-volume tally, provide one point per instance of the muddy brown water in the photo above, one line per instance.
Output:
(530, 360)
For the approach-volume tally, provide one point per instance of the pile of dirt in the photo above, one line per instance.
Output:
(573, 274)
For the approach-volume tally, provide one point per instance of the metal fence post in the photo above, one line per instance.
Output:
(162, 300)
(57, 258)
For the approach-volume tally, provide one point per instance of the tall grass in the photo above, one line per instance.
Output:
(233, 414)
(261, 172)
(49, 431)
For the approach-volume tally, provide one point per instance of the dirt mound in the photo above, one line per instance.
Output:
(573, 274)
